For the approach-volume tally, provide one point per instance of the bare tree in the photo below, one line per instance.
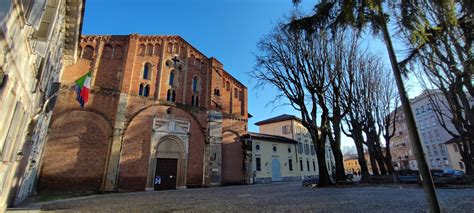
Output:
(341, 79)
(304, 66)
(386, 112)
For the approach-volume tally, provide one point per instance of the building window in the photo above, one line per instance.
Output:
(140, 90)
(217, 92)
(227, 85)
(456, 149)
(257, 162)
(290, 164)
(257, 147)
(446, 163)
(307, 164)
(146, 91)
(314, 165)
(306, 148)
(118, 52)
(300, 147)
(236, 93)
(301, 165)
(146, 71)
(286, 129)
(289, 149)
(172, 75)
(313, 151)
(196, 84)
(441, 148)
(195, 100)
(149, 49)
(170, 96)
(274, 148)
(88, 52)
(107, 52)
(141, 50)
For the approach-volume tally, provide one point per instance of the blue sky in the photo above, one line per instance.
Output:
(226, 29)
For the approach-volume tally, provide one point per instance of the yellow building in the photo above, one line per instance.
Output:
(37, 39)
(272, 159)
(290, 126)
(351, 164)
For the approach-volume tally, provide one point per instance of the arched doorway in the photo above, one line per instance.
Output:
(276, 173)
(168, 165)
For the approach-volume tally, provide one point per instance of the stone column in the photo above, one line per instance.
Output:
(112, 167)
(214, 150)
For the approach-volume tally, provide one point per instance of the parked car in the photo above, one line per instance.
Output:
(452, 172)
(437, 172)
(310, 181)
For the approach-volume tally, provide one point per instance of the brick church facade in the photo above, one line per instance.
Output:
(161, 115)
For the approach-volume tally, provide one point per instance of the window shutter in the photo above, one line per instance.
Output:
(47, 22)
(35, 12)
(40, 48)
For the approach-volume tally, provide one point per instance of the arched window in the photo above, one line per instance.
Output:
(236, 93)
(118, 52)
(88, 52)
(146, 91)
(170, 96)
(140, 90)
(170, 47)
(175, 48)
(157, 49)
(141, 51)
(172, 76)
(227, 85)
(107, 52)
(196, 84)
(149, 49)
(146, 71)
(217, 92)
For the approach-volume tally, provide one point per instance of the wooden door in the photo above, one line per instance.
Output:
(165, 175)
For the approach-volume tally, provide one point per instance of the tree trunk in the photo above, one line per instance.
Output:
(336, 150)
(466, 155)
(358, 141)
(372, 152)
(380, 160)
(388, 157)
(318, 140)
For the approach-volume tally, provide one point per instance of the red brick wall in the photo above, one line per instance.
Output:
(232, 152)
(117, 63)
(75, 155)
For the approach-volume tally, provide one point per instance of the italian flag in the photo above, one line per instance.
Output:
(83, 85)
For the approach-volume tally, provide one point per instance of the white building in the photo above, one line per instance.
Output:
(440, 151)
(37, 38)
(290, 126)
(434, 137)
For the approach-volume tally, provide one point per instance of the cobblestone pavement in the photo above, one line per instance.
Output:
(279, 197)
